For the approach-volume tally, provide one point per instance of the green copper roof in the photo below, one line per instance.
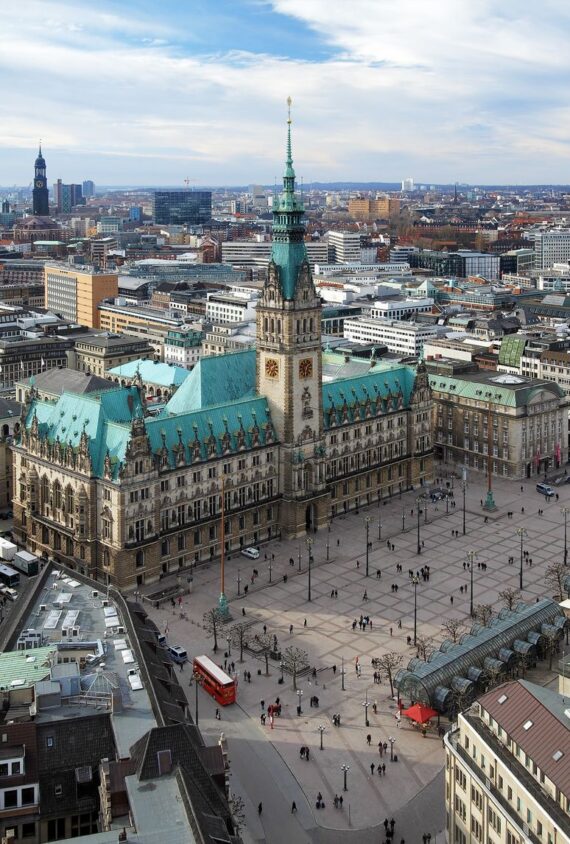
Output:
(21, 669)
(212, 431)
(492, 390)
(217, 379)
(348, 399)
(105, 418)
(151, 372)
(288, 251)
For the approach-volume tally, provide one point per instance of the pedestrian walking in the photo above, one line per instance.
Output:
(290, 629)
(293, 807)
(260, 809)
(218, 717)
(368, 739)
(372, 767)
(305, 623)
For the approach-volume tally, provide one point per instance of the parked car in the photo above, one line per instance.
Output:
(250, 553)
(544, 489)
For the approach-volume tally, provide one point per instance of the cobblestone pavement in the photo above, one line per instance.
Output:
(266, 764)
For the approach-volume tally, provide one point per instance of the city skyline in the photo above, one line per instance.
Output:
(446, 92)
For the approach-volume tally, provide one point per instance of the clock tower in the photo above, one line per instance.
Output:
(289, 362)
(40, 191)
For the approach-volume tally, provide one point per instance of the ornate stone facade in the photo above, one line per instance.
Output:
(127, 498)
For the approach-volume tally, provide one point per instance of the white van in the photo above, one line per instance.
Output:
(177, 654)
(8, 592)
(544, 489)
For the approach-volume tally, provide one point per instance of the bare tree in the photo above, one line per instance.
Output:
(454, 628)
(493, 675)
(295, 660)
(483, 613)
(213, 624)
(239, 634)
(523, 662)
(388, 663)
(460, 699)
(552, 639)
(264, 646)
(555, 577)
(510, 597)
(425, 648)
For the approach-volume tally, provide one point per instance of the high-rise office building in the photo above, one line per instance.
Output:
(407, 184)
(88, 189)
(182, 207)
(40, 198)
(551, 247)
(76, 293)
(66, 196)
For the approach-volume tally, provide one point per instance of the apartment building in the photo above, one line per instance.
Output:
(76, 293)
(507, 776)
(231, 307)
(401, 308)
(401, 338)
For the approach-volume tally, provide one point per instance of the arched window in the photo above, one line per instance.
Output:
(265, 324)
(57, 495)
(311, 325)
(139, 559)
(272, 326)
(279, 326)
(82, 552)
(44, 491)
(69, 499)
(304, 326)
(165, 548)
(298, 326)
(106, 558)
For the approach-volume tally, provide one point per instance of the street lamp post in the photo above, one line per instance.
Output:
(366, 704)
(565, 511)
(310, 549)
(229, 641)
(299, 698)
(345, 769)
(281, 666)
(470, 565)
(391, 740)
(415, 581)
(299, 556)
(321, 728)
(521, 533)
(328, 540)
(342, 674)
(270, 569)
(419, 501)
(239, 583)
(403, 520)
(367, 522)
(379, 526)
(463, 487)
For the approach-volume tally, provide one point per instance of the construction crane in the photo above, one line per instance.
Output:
(187, 181)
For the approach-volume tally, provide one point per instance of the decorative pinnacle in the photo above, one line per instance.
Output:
(289, 172)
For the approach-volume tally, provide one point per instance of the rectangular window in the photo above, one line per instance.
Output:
(11, 798)
(28, 796)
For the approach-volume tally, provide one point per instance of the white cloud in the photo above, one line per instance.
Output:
(444, 90)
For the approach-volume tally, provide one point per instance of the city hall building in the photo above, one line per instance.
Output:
(281, 437)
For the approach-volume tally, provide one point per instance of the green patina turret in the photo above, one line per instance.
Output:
(288, 251)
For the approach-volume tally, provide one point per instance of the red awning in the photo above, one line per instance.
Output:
(420, 713)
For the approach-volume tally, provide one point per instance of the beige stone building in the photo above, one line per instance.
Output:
(75, 293)
(520, 423)
(258, 434)
(507, 777)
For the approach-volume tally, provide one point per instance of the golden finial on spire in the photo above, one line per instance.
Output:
(289, 101)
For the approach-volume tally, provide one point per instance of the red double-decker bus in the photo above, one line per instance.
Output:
(214, 680)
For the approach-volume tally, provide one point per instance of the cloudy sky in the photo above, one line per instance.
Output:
(154, 91)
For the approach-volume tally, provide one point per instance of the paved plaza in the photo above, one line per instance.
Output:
(265, 763)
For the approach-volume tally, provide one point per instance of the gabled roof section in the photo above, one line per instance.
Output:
(152, 372)
(535, 719)
(351, 399)
(215, 379)
(212, 431)
(104, 418)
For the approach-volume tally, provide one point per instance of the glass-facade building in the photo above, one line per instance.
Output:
(182, 207)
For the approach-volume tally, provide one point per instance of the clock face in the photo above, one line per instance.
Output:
(39, 183)
(271, 368)
(305, 368)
